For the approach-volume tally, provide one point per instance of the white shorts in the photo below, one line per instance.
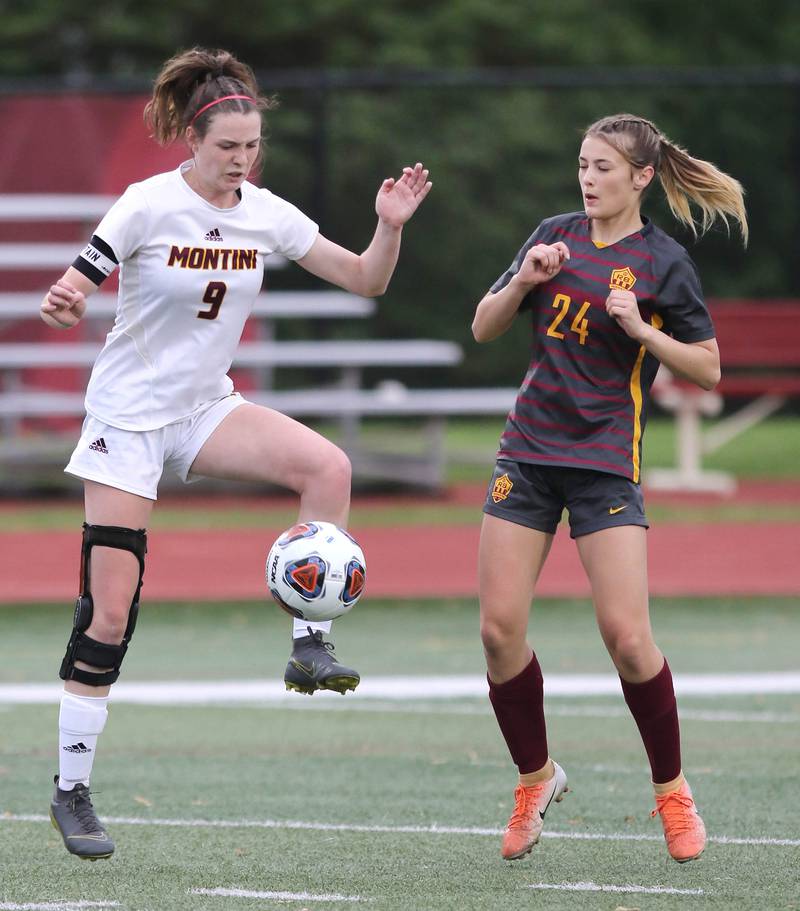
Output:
(134, 460)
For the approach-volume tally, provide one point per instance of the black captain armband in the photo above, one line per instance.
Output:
(96, 261)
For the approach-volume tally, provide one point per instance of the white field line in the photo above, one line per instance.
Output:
(400, 688)
(30, 694)
(56, 905)
(387, 830)
(595, 887)
(552, 709)
(279, 896)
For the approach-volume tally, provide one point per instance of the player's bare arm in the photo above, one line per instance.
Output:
(556, 447)
(695, 361)
(496, 311)
(369, 273)
(65, 303)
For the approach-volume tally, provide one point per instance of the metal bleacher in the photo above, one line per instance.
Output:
(344, 399)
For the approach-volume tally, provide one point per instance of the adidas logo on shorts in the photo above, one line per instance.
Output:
(79, 747)
(99, 445)
(214, 235)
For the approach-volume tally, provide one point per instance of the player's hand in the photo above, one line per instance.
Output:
(623, 307)
(63, 305)
(541, 263)
(399, 199)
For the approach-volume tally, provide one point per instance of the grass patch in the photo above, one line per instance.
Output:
(251, 639)
(283, 777)
(766, 451)
(402, 773)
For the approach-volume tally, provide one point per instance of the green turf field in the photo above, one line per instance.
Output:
(767, 450)
(396, 804)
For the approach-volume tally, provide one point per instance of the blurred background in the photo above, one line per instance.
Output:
(490, 94)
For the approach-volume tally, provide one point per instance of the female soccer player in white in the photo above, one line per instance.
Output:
(190, 245)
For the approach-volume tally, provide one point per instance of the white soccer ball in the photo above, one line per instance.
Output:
(316, 571)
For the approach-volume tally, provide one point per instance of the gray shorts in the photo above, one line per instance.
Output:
(536, 495)
(134, 460)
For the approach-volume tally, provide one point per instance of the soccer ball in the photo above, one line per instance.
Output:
(316, 571)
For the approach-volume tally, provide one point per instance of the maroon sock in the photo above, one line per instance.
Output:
(519, 708)
(655, 711)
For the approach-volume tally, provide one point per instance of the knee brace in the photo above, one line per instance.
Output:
(82, 647)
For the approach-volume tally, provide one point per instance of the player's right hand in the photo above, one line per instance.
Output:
(542, 262)
(63, 305)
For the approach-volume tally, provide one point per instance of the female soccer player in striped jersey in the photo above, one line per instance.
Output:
(610, 296)
(191, 246)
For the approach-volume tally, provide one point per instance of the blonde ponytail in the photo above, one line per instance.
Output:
(715, 193)
(685, 179)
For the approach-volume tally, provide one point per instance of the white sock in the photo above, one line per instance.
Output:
(80, 721)
(300, 627)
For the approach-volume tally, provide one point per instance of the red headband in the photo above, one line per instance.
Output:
(217, 101)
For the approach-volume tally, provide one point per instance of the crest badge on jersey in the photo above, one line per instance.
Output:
(622, 279)
(502, 488)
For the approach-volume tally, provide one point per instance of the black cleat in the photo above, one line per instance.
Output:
(313, 666)
(72, 813)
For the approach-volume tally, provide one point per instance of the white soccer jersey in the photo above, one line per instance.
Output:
(189, 274)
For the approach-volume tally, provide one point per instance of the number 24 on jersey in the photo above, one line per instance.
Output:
(580, 324)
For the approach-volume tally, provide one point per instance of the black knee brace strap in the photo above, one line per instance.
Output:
(82, 647)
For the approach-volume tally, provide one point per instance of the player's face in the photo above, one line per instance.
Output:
(226, 154)
(609, 183)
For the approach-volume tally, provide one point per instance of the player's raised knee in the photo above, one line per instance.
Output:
(332, 471)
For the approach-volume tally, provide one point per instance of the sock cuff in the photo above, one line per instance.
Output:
(300, 627)
(83, 714)
(652, 697)
(530, 674)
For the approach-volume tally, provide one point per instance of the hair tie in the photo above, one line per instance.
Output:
(217, 101)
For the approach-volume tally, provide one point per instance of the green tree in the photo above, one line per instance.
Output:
(491, 95)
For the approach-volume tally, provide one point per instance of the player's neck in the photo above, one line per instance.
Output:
(221, 199)
(607, 231)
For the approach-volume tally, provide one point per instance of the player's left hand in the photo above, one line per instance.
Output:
(399, 199)
(623, 307)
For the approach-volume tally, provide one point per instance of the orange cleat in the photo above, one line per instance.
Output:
(530, 805)
(684, 831)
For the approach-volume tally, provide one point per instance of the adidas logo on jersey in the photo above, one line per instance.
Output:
(79, 747)
(99, 446)
(214, 235)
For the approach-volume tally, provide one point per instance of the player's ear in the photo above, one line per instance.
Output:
(643, 176)
(192, 139)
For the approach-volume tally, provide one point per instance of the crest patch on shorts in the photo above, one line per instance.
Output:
(502, 488)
